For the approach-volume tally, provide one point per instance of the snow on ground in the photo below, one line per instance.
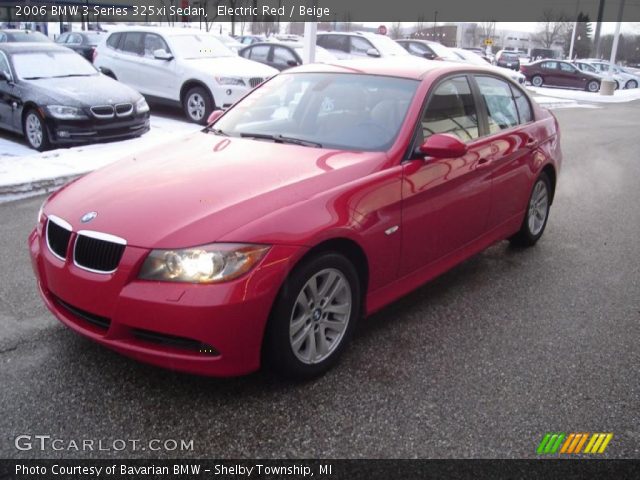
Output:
(22, 166)
(554, 103)
(619, 96)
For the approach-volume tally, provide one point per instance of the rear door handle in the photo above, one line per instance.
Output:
(483, 162)
(531, 143)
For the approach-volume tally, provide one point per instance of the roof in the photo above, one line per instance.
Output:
(406, 67)
(30, 47)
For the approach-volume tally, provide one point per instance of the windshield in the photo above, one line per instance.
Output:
(94, 38)
(52, 64)
(29, 37)
(387, 46)
(199, 46)
(332, 110)
(322, 56)
(586, 67)
(471, 57)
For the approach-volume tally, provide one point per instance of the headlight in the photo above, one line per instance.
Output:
(65, 113)
(215, 263)
(230, 81)
(142, 106)
(40, 212)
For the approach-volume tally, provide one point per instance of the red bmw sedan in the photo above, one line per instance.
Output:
(325, 194)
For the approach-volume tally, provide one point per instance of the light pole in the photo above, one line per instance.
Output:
(435, 21)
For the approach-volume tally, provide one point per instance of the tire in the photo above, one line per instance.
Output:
(537, 81)
(537, 214)
(631, 84)
(198, 105)
(593, 86)
(299, 318)
(34, 131)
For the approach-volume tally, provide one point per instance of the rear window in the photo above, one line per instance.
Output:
(509, 56)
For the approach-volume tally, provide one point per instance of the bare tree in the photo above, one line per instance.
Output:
(396, 30)
(487, 30)
(419, 26)
(551, 28)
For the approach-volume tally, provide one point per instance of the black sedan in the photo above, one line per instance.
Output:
(84, 43)
(282, 55)
(53, 96)
(30, 36)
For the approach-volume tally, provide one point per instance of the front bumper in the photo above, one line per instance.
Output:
(95, 130)
(213, 330)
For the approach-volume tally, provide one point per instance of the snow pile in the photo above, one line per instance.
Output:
(23, 170)
(619, 96)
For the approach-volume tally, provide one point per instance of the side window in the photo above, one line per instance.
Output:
(132, 43)
(114, 40)
(260, 53)
(549, 65)
(360, 46)
(451, 109)
(153, 42)
(61, 39)
(282, 56)
(245, 52)
(522, 102)
(3, 37)
(501, 107)
(334, 42)
(565, 67)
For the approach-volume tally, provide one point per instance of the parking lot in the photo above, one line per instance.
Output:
(481, 362)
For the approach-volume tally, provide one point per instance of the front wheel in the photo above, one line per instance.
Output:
(35, 132)
(313, 317)
(198, 105)
(537, 81)
(631, 84)
(535, 219)
(593, 86)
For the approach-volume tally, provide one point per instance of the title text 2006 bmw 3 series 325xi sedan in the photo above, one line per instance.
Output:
(325, 194)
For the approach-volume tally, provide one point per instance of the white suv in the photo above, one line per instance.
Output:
(360, 44)
(181, 66)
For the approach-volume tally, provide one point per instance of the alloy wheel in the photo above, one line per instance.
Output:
(320, 316)
(538, 208)
(34, 130)
(196, 106)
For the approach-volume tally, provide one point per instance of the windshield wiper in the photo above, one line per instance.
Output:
(34, 78)
(282, 139)
(216, 131)
(74, 75)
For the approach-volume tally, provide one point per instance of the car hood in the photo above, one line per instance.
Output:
(83, 91)
(232, 66)
(201, 187)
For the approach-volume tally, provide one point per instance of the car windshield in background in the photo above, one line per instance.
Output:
(389, 47)
(322, 55)
(331, 110)
(95, 38)
(199, 46)
(442, 51)
(471, 57)
(29, 37)
(51, 64)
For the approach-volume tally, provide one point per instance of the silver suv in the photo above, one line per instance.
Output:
(182, 66)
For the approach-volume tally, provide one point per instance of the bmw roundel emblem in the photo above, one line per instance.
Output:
(87, 217)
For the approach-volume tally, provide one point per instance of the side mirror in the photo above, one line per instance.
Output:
(292, 63)
(429, 56)
(373, 52)
(442, 145)
(215, 115)
(161, 54)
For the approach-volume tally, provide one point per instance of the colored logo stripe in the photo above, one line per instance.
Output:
(553, 443)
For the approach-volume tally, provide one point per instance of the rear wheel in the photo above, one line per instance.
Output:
(631, 84)
(314, 316)
(198, 105)
(35, 133)
(593, 86)
(537, 81)
(535, 219)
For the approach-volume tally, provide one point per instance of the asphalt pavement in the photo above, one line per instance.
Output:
(480, 363)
